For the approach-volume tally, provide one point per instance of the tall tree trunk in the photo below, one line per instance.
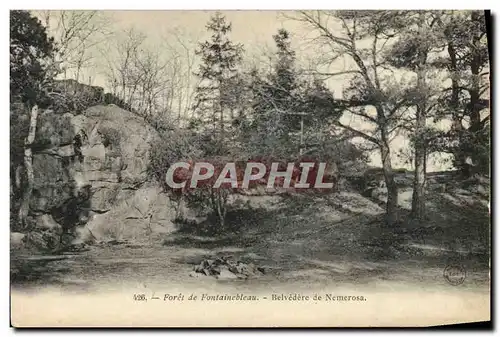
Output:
(456, 127)
(419, 180)
(220, 106)
(474, 106)
(392, 188)
(28, 166)
(418, 197)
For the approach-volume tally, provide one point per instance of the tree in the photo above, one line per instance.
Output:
(466, 101)
(32, 68)
(215, 100)
(286, 106)
(361, 38)
(181, 48)
(121, 65)
(31, 58)
(77, 34)
(412, 51)
(276, 102)
(220, 58)
(139, 76)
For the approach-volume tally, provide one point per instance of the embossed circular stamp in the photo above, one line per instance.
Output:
(454, 274)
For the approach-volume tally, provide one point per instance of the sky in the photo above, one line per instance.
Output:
(254, 29)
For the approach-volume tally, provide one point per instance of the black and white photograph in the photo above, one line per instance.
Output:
(250, 168)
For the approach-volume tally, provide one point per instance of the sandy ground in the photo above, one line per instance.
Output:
(97, 288)
(307, 248)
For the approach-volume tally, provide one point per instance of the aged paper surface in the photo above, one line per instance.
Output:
(135, 136)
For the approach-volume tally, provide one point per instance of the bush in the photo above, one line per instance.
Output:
(171, 147)
(70, 95)
(174, 146)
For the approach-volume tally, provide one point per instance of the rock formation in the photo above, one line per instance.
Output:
(91, 179)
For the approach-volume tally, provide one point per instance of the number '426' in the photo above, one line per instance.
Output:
(140, 297)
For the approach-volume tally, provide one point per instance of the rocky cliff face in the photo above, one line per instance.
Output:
(91, 179)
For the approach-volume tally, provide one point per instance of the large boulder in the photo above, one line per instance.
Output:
(91, 172)
(116, 152)
(60, 195)
(134, 215)
(115, 149)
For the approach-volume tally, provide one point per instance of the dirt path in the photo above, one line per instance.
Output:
(96, 287)
(286, 263)
(301, 244)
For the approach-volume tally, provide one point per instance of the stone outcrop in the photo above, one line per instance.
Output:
(138, 215)
(91, 173)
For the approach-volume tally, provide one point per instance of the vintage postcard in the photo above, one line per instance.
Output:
(249, 168)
